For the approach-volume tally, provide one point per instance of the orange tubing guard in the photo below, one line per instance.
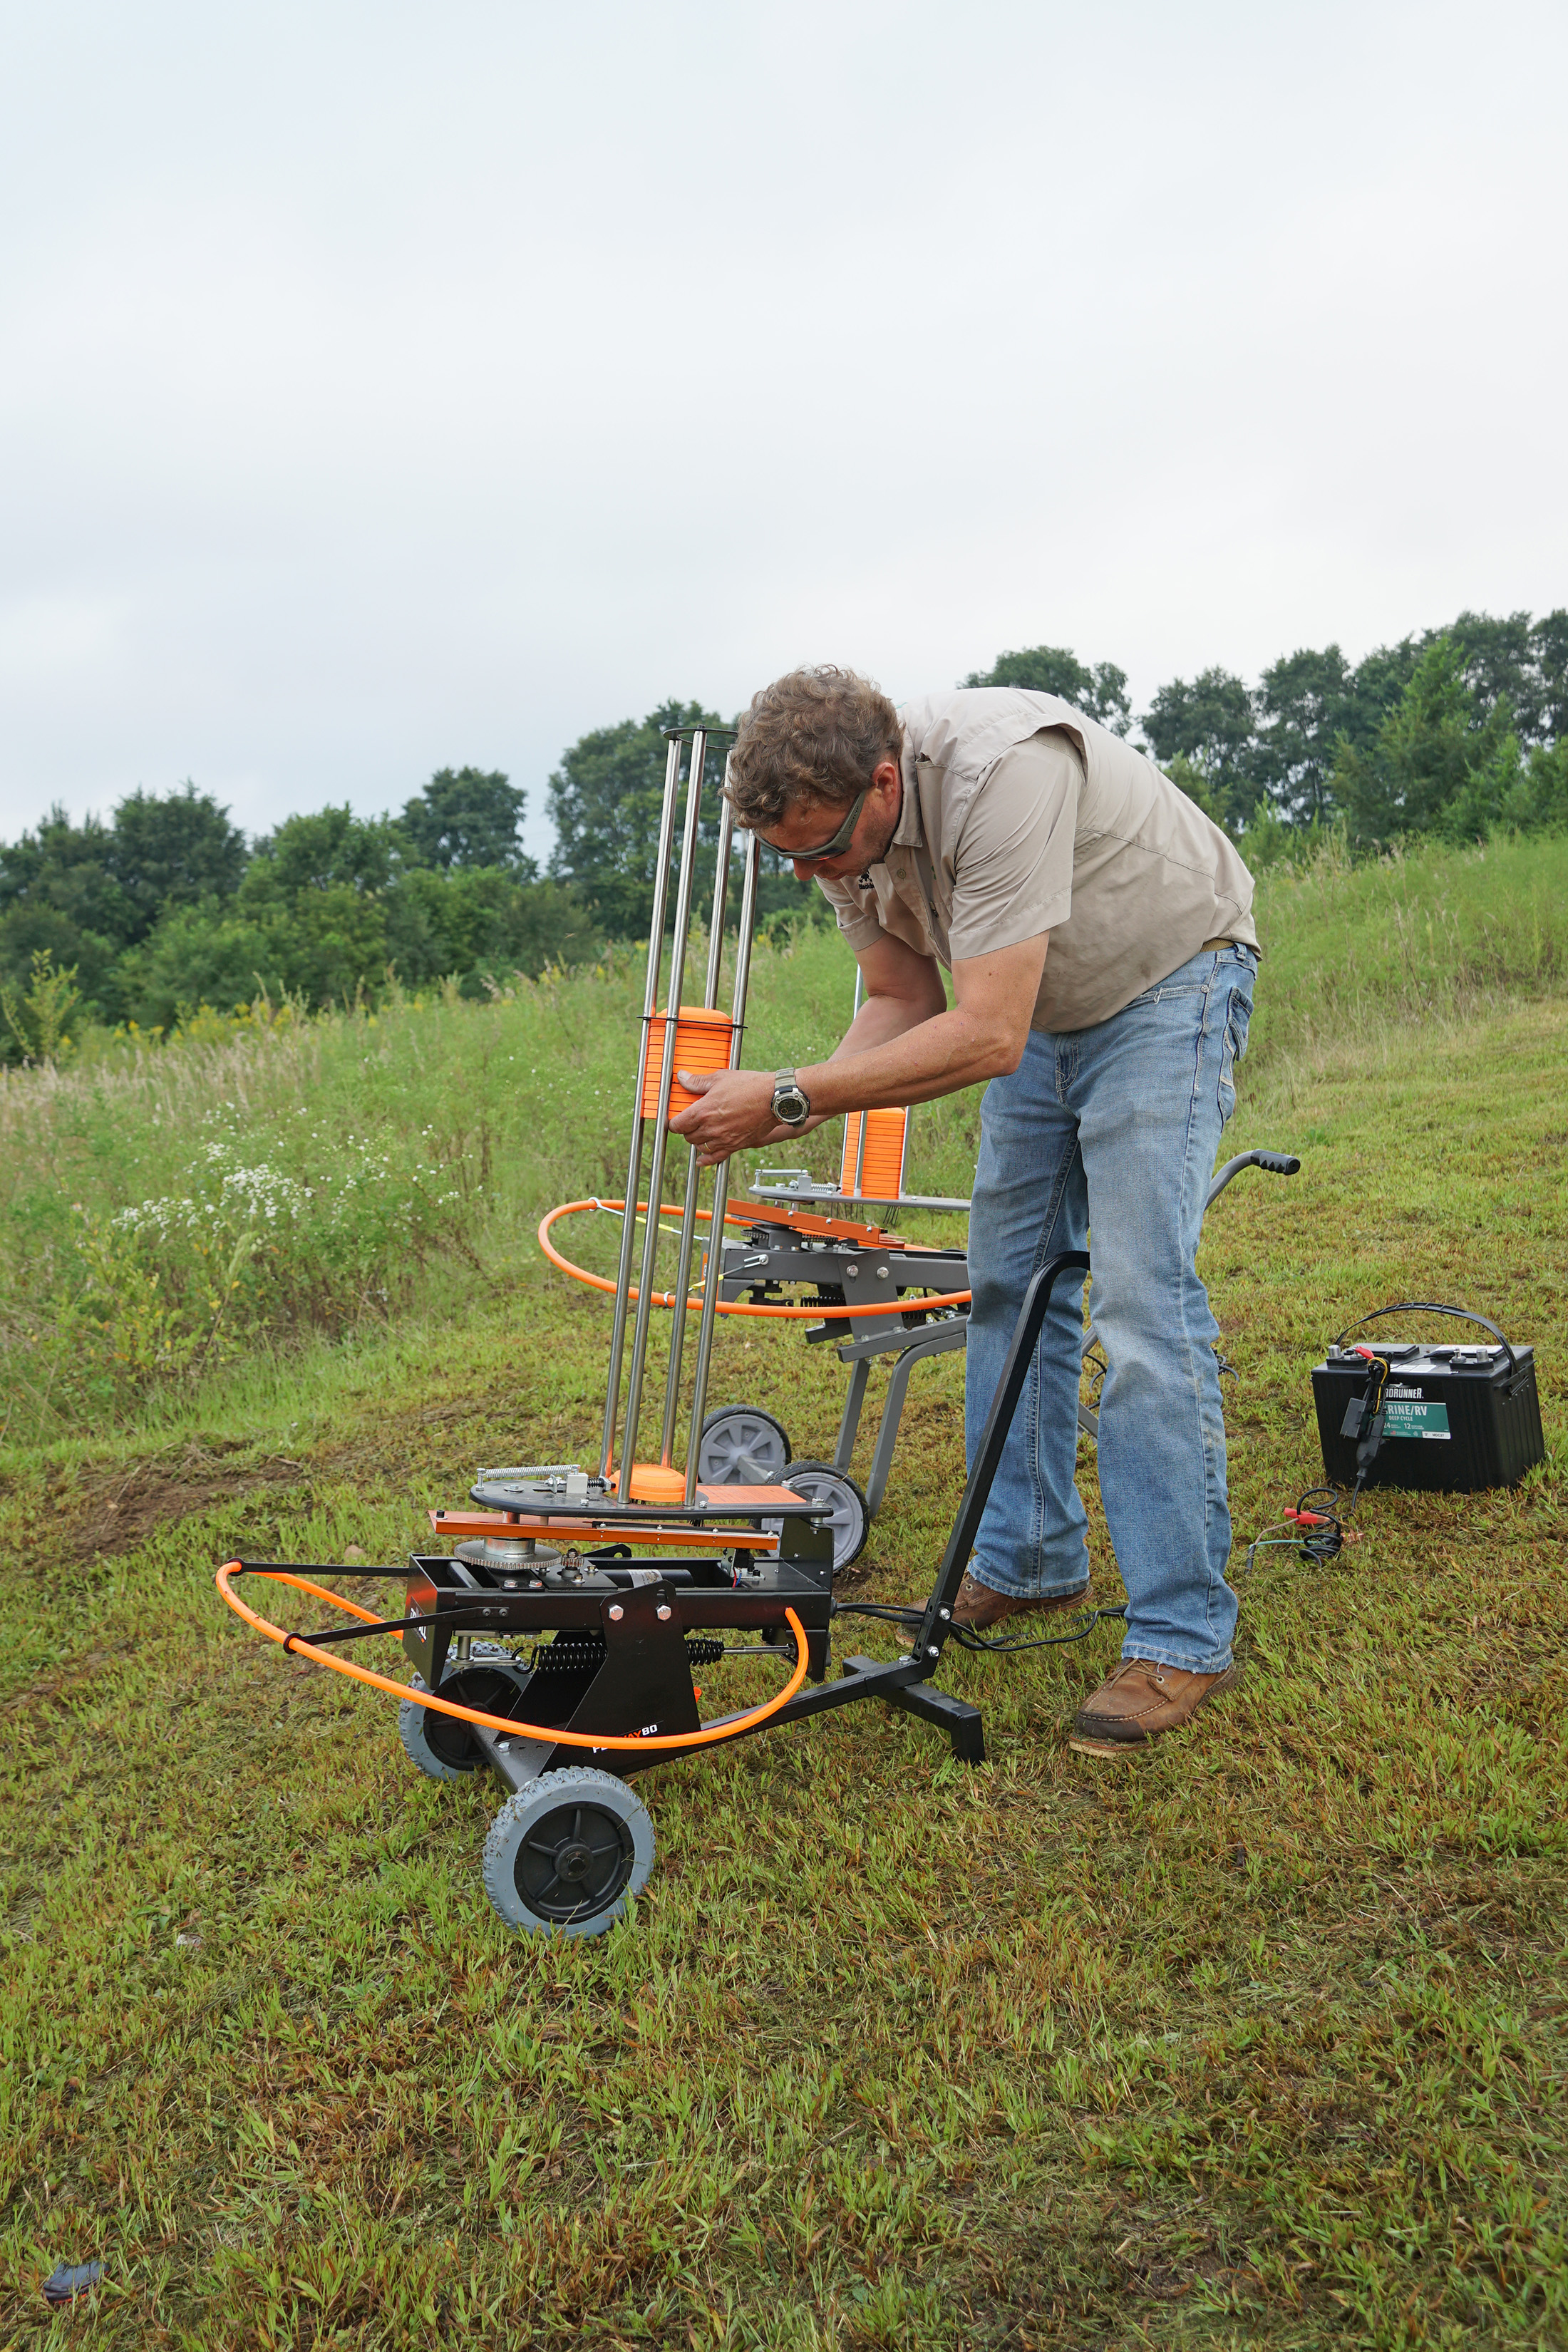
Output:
(721, 1305)
(709, 1737)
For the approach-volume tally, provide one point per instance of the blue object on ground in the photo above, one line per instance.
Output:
(71, 2279)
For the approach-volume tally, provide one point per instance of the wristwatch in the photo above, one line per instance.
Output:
(792, 1104)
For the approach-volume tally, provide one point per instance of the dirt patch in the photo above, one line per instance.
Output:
(98, 1514)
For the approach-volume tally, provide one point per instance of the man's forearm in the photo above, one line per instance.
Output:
(879, 1020)
(905, 1064)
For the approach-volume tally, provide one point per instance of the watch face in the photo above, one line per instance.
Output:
(790, 1106)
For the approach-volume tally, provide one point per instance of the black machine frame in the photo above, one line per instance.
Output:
(623, 1656)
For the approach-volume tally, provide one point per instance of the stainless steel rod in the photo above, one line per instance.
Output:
(684, 872)
(863, 1115)
(693, 1173)
(634, 1155)
(708, 1317)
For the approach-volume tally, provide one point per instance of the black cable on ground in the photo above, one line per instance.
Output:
(910, 1620)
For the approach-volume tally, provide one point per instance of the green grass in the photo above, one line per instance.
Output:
(1257, 2038)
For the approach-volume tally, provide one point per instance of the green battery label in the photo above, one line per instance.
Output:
(1415, 1417)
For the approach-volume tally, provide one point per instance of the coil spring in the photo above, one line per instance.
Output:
(580, 1654)
(573, 1654)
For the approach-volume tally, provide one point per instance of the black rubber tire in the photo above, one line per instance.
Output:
(741, 1445)
(411, 1731)
(576, 1829)
(823, 1482)
(442, 1747)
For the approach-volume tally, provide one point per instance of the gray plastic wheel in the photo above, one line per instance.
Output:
(453, 1753)
(566, 1854)
(821, 1482)
(741, 1445)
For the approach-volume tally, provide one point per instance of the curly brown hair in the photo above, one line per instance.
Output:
(814, 734)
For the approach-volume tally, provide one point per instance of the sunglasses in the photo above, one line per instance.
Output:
(833, 848)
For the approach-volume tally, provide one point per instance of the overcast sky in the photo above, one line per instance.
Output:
(384, 387)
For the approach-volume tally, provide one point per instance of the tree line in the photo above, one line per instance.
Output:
(166, 906)
(1454, 731)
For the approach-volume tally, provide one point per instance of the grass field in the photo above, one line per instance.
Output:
(1255, 2040)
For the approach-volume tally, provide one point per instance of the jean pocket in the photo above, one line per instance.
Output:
(1238, 1020)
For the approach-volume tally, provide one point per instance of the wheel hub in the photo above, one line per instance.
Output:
(578, 1858)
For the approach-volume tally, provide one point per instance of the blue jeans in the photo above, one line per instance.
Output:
(1116, 1128)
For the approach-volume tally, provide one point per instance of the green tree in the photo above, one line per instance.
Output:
(87, 892)
(1538, 802)
(59, 896)
(482, 923)
(1549, 645)
(70, 869)
(1521, 662)
(1305, 703)
(1099, 692)
(605, 800)
(316, 890)
(469, 817)
(1213, 724)
(172, 849)
(210, 955)
(328, 849)
(1438, 765)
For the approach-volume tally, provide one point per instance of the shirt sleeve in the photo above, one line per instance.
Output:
(855, 922)
(1012, 859)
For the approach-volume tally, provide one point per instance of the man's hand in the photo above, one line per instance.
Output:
(735, 1114)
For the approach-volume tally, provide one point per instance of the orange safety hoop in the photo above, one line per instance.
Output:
(722, 1306)
(710, 1735)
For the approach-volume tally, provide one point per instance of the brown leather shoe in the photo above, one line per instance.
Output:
(979, 1606)
(1138, 1701)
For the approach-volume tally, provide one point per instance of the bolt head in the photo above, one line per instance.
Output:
(615, 1609)
(664, 1613)
(932, 1651)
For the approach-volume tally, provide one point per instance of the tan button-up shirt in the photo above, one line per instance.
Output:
(1020, 815)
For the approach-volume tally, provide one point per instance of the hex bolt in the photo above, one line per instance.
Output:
(932, 1650)
(881, 1273)
(945, 1613)
(663, 1613)
(615, 1609)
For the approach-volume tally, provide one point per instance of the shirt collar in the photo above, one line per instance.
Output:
(909, 833)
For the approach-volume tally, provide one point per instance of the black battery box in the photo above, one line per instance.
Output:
(1454, 1418)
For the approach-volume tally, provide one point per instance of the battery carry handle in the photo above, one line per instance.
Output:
(1430, 1307)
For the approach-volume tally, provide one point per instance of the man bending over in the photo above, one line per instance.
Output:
(1099, 931)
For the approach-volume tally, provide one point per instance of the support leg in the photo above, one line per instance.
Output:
(962, 1722)
(935, 1343)
(849, 1427)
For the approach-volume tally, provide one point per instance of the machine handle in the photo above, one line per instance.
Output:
(977, 1492)
(1430, 1307)
(1278, 1163)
